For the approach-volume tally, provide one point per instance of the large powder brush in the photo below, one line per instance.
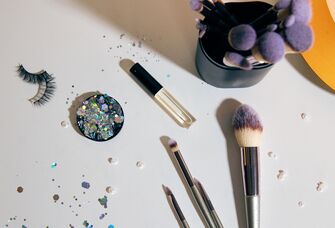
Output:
(248, 132)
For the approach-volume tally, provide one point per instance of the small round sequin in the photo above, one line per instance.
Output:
(53, 165)
(64, 124)
(85, 184)
(113, 161)
(100, 117)
(19, 189)
(140, 164)
(55, 197)
(111, 190)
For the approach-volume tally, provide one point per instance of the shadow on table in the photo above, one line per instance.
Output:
(299, 63)
(169, 26)
(224, 116)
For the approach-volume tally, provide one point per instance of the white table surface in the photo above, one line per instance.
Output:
(72, 39)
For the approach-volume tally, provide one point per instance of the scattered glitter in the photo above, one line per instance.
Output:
(53, 165)
(71, 226)
(301, 204)
(113, 161)
(64, 124)
(103, 36)
(52, 179)
(122, 35)
(168, 75)
(140, 164)
(72, 86)
(272, 155)
(102, 70)
(103, 201)
(55, 197)
(320, 186)
(111, 226)
(102, 216)
(85, 184)
(281, 175)
(19, 189)
(133, 44)
(140, 44)
(85, 223)
(23, 226)
(100, 117)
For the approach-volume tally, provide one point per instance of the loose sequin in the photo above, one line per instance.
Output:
(100, 117)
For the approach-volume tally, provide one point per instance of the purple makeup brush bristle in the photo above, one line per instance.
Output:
(242, 37)
(282, 4)
(271, 47)
(246, 117)
(289, 21)
(172, 143)
(302, 11)
(237, 60)
(195, 5)
(299, 36)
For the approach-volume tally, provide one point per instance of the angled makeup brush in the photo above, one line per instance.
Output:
(248, 132)
(208, 203)
(189, 179)
(174, 203)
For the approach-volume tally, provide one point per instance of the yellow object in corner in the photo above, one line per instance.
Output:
(321, 57)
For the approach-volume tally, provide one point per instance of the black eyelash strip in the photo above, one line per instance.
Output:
(33, 77)
(46, 88)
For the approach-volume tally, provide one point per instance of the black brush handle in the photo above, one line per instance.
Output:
(250, 170)
(265, 19)
(213, 19)
(184, 169)
(145, 78)
(226, 14)
(177, 208)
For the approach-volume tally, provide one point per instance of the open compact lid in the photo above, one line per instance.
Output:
(321, 57)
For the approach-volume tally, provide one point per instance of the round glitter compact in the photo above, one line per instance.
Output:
(100, 117)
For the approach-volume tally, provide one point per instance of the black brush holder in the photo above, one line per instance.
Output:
(212, 46)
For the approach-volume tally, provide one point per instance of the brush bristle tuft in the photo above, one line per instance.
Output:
(195, 5)
(299, 36)
(173, 145)
(242, 37)
(271, 47)
(247, 126)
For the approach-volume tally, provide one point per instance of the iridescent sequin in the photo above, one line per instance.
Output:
(100, 117)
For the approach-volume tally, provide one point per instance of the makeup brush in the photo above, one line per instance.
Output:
(270, 48)
(220, 5)
(234, 59)
(176, 208)
(210, 15)
(208, 203)
(287, 11)
(248, 132)
(242, 37)
(189, 179)
(299, 37)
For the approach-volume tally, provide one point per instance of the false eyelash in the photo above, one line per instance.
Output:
(46, 90)
(33, 77)
(46, 85)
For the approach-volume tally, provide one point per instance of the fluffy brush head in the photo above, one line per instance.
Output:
(247, 126)
(302, 11)
(242, 37)
(173, 145)
(271, 47)
(236, 60)
(299, 36)
(195, 5)
(282, 4)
